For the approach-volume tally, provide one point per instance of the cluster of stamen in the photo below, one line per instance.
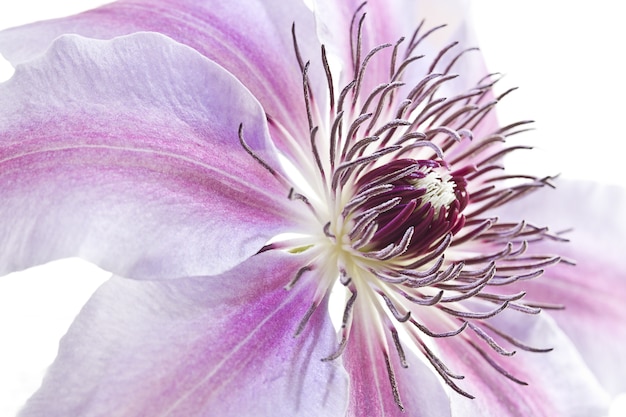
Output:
(404, 192)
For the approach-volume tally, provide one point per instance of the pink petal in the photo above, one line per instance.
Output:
(593, 291)
(218, 346)
(559, 383)
(250, 39)
(126, 153)
(371, 393)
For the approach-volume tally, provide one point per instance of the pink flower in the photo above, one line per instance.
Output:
(233, 162)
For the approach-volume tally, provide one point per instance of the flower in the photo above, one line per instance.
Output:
(154, 161)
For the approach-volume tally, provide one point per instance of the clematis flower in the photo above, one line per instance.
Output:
(235, 165)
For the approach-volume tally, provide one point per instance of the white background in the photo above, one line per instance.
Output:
(566, 56)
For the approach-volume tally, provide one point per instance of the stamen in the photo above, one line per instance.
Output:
(392, 176)
(414, 135)
(395, 250)
(500, 154)
(457, 57)
(490, 341)
(344, 279)
(415, 41)
(293, 195)
(440, 55)
(432, 334)
(535, 264)
(495, 365)
(403, 66)
(422, 90)
(297, 277)
(509, 279)
(363, 196)
(366, 236)
(391, 125)
(305, 319)
(478, 148)
(387, 93)
(398, 345)
(307, 95)
(474, 233)
(346, 166)
(394, 384)
(335, 137)
(421, 144)
(471, 289)
(329, 78)
(369, 215)
(363, 67)
(526, 309)
(360, 146)
(372, 96)
(316, 154)
(344, 94)
(250, 152)
(425, 301)
(354, 127)
(345, 328)
(435, 253)
(356, 62)
(472, 314)
(516, 342)
(394, 310)
(545, 306)
(327, 232)
(435, 268)
(444, 372)
(394, 56)
(381, 253)
(505, 252)
(296, 48)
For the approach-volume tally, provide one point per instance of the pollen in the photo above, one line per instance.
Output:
(439, 189)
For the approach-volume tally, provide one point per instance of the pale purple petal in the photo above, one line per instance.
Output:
(250, 39)
(126, 153)
(593, 291)
(559, 383)
(371, 394)
(218, 346)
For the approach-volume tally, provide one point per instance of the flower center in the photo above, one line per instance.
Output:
(439, 190)
(401, 208)
(399, 198)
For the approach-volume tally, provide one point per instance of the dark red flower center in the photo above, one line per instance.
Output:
(409, 204)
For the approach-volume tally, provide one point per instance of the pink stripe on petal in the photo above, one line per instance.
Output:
(371, 394)
(127, 153)
(593, 291)
(206, 346)
(250, 39)
(594, 318)
(558, 382)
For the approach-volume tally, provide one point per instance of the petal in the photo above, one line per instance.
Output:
(594, 290)
(126, 153)
(559, 383)
(250, 39)
(371, 395)
(220, 346)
